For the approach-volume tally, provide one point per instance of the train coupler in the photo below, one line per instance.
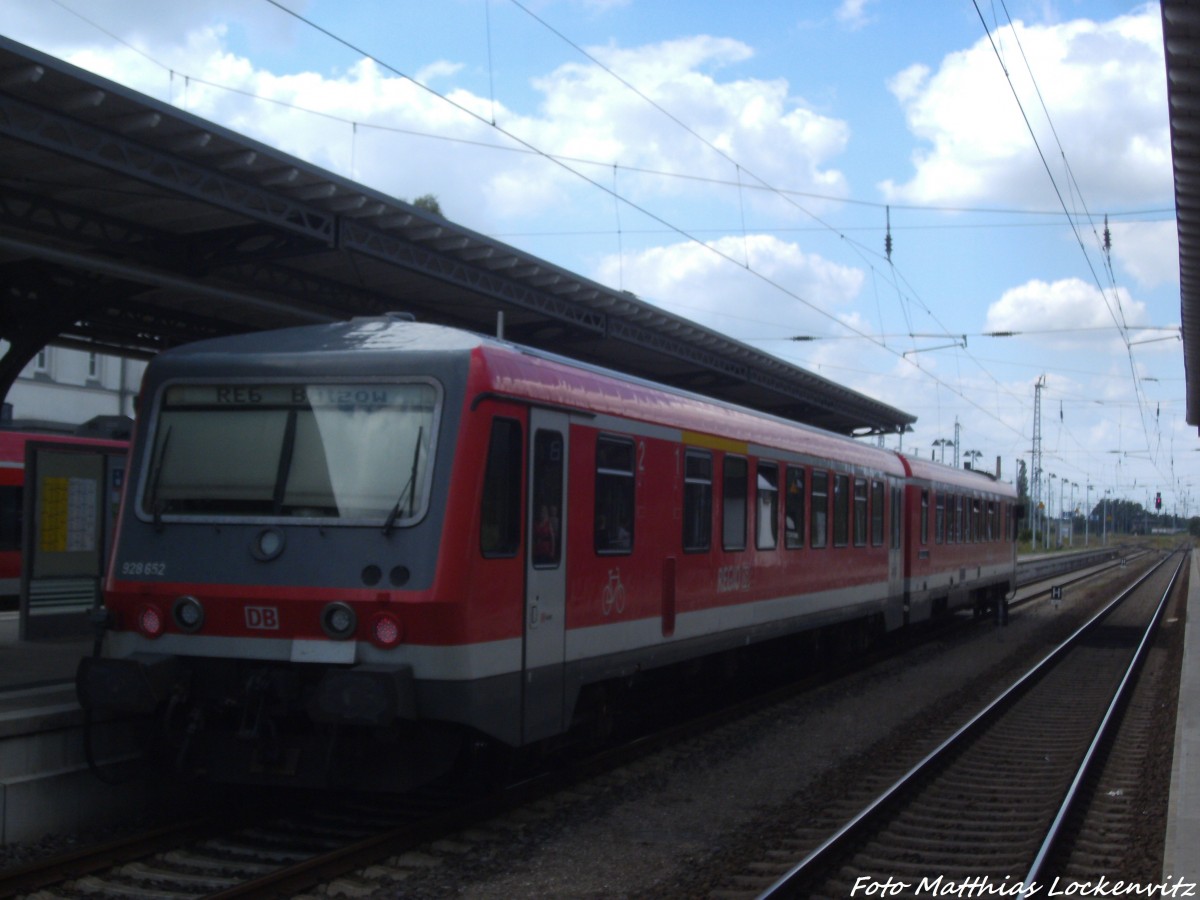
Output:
(364, 695)
(260, 693)
(195, 724)
(134, 684)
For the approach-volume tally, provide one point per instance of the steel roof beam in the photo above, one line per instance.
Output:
(111, 152)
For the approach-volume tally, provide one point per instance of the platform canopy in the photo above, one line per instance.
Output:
(1181, 38)
(128, 226)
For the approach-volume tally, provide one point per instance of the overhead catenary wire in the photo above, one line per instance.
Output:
(1118, 314)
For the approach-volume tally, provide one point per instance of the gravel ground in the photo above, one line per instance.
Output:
(675, 825)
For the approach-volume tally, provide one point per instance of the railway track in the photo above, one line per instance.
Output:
(204, 856)
(992, 803)
(286, 855)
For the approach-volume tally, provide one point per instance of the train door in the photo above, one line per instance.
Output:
(896, 540)
(545, 576)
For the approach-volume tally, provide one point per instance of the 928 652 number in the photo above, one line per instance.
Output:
(144, 568)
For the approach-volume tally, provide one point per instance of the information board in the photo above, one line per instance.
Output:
(72, 495)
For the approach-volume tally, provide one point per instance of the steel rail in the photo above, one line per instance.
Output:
(824, 853)
(1107, 724)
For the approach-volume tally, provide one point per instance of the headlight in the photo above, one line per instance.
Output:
(267, 544)
(188, 614)
(338, 621)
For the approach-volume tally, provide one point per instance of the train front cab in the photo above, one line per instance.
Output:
(252, 599)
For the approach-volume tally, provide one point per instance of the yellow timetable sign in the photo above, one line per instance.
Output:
(68, 522)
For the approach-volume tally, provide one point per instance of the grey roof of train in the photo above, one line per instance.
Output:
(129, 226)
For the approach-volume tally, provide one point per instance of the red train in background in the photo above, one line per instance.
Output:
(347, 551)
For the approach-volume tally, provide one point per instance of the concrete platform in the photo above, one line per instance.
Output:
(45, 782)
(26, 664)
(1181, 853)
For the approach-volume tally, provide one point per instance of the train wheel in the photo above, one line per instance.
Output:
(598, 711)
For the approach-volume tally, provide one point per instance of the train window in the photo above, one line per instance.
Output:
(860, 512)
(500, 519)
(697, 501)
(733, 503)
(841, 510)
(793, 509)
(897, 518)
(991, 520)
(924, 517)
(360, 452)
(939, 531)
(820, 508)
(614, 495)
(766, 530)
(877, 512)
(546, 544)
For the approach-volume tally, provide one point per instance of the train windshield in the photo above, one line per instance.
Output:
(358, 452)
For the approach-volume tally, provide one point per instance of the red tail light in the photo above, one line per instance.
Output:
(385, 631)
(150, 621)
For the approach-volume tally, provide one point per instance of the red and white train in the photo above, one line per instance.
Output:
(346, 549)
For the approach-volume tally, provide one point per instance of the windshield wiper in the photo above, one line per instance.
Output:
(284, 468)
(409, 488)
(156, 507)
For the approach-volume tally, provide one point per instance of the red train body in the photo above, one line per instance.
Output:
(420, 534)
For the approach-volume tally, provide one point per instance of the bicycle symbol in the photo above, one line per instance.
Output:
(613, 594)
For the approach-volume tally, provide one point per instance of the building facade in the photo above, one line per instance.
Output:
(62, 389)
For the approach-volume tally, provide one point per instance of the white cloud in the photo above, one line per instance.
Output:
(1104, 86)
(709, 284)
(1148, 251)
(368, 122)
(1067, 305)
(853, 13)
(586, 112)
(161, 29)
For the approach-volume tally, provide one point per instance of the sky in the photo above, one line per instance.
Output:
(743, 165)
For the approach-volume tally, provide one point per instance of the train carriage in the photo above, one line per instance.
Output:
(961, 537)
(347, 549)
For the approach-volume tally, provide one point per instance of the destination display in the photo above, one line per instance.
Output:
(301, 396)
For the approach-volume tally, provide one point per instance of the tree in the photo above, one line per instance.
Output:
(429, 203)
(1124, 516)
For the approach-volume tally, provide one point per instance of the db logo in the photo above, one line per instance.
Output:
(262, 617)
